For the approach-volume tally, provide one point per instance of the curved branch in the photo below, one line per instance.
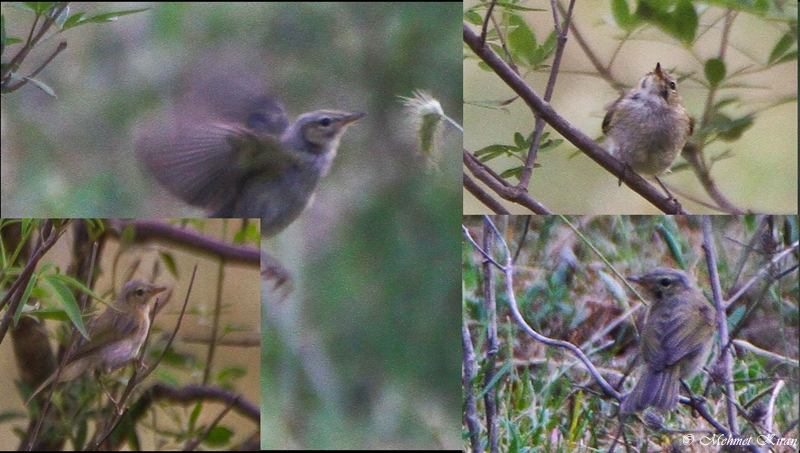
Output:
(146, 230)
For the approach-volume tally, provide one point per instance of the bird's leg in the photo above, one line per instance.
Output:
(625, 167)
(105, 389)
(671, 198)
(669, 194)
(272, 269)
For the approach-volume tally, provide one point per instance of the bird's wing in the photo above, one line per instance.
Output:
(109, 327)
(677, 337)
(265, 116)
(197, 163)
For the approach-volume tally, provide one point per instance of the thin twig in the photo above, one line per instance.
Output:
(193, 444)
(73, 340)
(482, 196)
(761, 274)
(722, 322)
(490, 305)
(478, 248)
(561, 32)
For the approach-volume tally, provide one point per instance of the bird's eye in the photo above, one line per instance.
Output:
(664, 282)
(325, 122)
(140, 292)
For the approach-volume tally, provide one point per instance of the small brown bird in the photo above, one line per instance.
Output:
(676, 338)
(252, 164)
(648, 126)
(115, 336)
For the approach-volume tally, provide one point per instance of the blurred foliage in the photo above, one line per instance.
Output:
(47, 20)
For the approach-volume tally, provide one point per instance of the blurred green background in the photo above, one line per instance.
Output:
(363, 352)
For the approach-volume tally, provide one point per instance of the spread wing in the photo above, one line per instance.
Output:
(204, 162)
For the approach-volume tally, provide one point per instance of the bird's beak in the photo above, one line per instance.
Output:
(159, 289)
(658, 72)
(352, 117)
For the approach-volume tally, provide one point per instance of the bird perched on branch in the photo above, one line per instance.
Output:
(115, 336)
(676, 338)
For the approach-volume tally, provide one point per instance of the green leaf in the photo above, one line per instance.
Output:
(39, 8)
(512, 6)
(198, 408)
(53, 314)
(249, 235)
(725, 102)
(165, 376)
(551, 144)
(228, 377)
(548, 47)
(715, 71)
(71, 281)
(685, 21)
(792, 56)
(219, 436)
(177, 359)
(781, 47)
(649, 9)
(736, 317)
(521, 41)
(492, 151)
(169, 261)
(761, 6)
(515, 172)
(673, 245)
(519, 140)
(25, 296)
(68, 302)
(73, 20)
(105, 17)
(81, 433)
(2, 34)
(622, 15)
(680, 23)
(473, 18)
(730, 130)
